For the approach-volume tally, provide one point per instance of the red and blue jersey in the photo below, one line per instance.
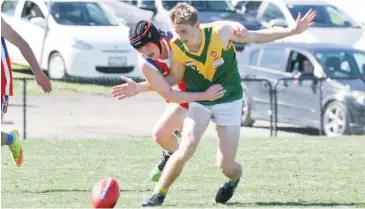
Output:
(6, 76)
(163, 66)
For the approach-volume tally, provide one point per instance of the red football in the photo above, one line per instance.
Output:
(105, 193)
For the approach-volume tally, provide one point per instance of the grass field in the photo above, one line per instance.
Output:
(59, 88)
(282, 172)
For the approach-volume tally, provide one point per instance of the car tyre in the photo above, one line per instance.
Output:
(335, 119)
(56, 66)
(246, 119)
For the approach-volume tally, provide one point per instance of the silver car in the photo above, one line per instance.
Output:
(328, 94)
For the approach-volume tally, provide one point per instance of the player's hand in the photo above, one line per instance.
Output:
(214, 92)
(303, 23)
(43, 81)
(125, 90)
(239, 29)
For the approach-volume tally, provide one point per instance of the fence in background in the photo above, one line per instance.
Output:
(273, 111)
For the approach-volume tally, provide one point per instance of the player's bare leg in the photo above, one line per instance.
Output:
(195, 124)
(170, 121)
(228, 143)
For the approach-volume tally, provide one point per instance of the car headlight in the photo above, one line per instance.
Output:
(359, 96)
(78, 44)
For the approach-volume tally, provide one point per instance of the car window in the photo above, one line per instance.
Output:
(299, 63)
(133, 2)
(211, 6)
(272, 12)
(327, 15)
(95, 14)
(31, 10)
(199, 5)
(81, 13)
(147, 4)
(274, 58)
(252, 7)
(169, 4)
(240, 5)
(360, 60)
(255, 58)
(335, 17)
(221, 6)
(341, 63)
(8, 7)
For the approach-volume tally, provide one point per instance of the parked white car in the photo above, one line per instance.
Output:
(332, 24)
(81, 38)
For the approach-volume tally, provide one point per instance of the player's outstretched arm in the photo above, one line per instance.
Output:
(13, 37)
(272, 34)
(130, 88)
(162, 87)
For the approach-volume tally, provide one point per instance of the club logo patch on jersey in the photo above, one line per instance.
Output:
(218, 62)
(213, 54)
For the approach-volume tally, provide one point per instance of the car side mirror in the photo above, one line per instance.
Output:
(38, 21)
(278, 23)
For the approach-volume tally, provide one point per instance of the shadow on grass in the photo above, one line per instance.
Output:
(76, 190)
(89, 190)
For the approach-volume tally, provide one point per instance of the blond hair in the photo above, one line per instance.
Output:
(183, 13)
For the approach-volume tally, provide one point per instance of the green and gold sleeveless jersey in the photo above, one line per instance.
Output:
(213, 64)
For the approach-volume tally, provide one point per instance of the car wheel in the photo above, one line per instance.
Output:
(246, 119)
(335, 120)
(56, 66)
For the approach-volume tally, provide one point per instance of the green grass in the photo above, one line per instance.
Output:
(285, 172)
(59, 88)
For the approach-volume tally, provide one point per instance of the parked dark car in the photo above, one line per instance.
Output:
(209, 11)
(343, 102)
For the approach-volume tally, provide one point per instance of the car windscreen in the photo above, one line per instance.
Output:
(209, 6)
(342, 63)
(327, 16)
(170, 4)
(81, 14)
